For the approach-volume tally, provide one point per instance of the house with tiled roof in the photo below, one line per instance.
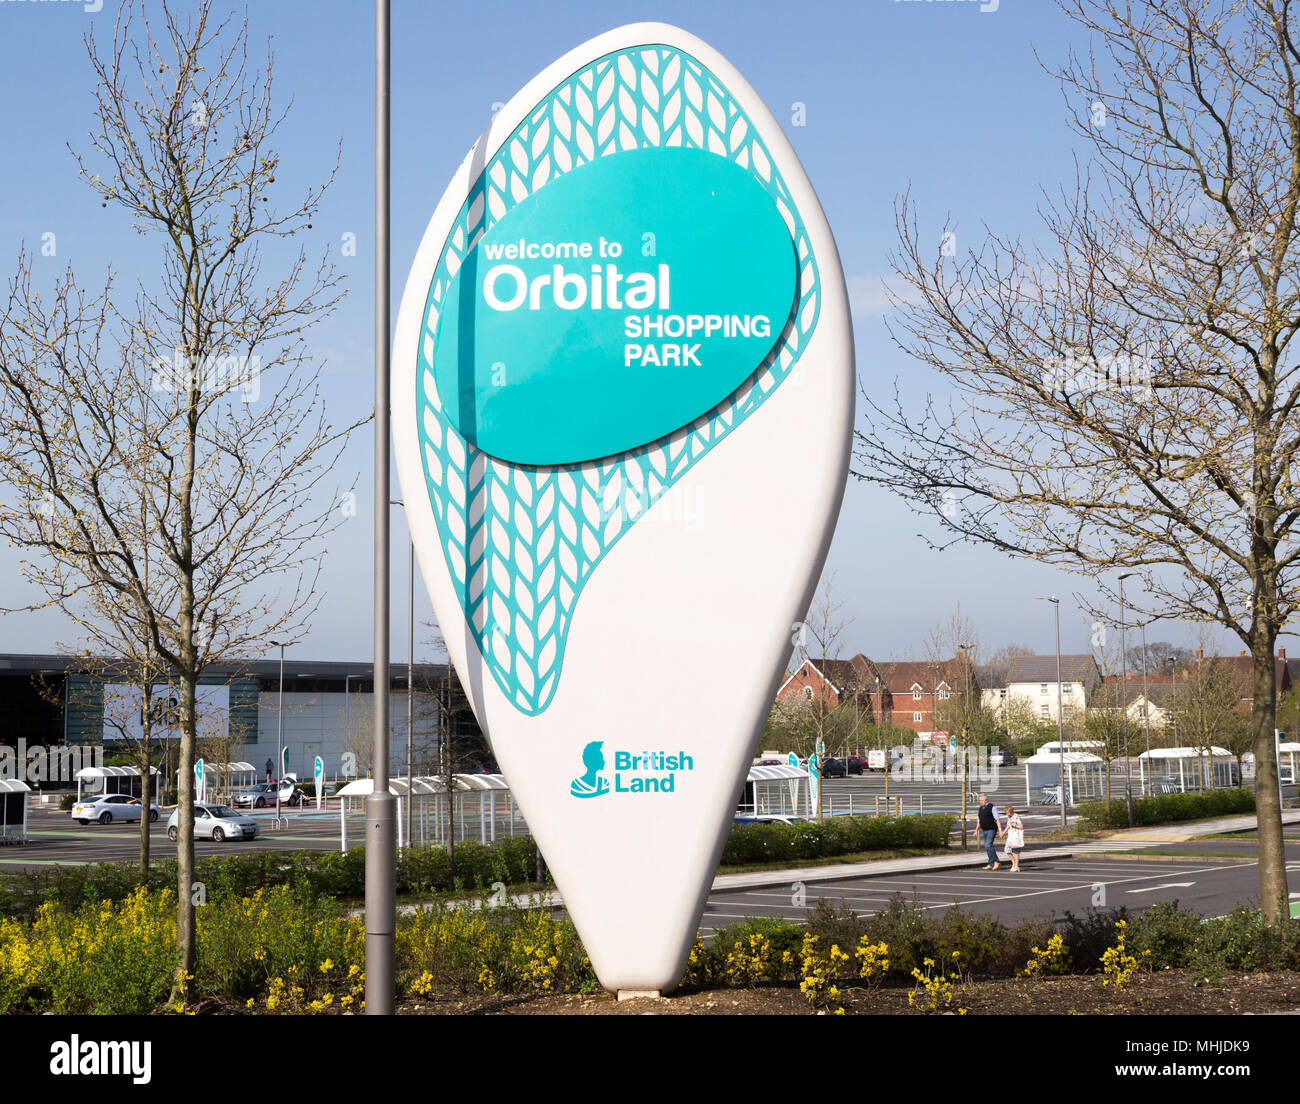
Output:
(1033, 679)
(904, 693)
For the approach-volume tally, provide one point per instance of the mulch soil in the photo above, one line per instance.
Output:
(1170, 992)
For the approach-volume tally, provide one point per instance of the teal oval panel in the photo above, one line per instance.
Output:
(613, 306)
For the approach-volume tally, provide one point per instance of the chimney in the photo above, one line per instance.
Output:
(1281, 654)
(1201, 655)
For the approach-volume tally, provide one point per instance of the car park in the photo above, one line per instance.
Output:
(215, 822)
(110, 808)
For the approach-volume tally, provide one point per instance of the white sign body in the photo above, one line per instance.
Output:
(318, 773)
(618, 514)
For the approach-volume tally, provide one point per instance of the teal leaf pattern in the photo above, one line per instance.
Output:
(521, 542)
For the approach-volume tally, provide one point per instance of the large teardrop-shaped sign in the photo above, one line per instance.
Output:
(622, 409)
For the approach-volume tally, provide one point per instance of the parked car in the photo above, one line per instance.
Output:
(1003, 759)
(263, 794)
(107, 808)
(769, 762)
(833, 768)
(215, 822)
(855, 765)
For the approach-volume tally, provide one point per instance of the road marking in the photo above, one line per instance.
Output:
(1166, 885)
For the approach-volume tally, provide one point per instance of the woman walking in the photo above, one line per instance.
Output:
(1015, 833)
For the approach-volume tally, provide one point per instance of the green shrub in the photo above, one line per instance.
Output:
(778, 842)
(1242, 941)
(1168, 808)
(1168, 932)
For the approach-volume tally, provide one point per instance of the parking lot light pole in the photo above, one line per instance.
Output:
(410, 671)
(1123, 667)
(1060, 712)
(965, 738)
(1146, 699)
(279, 727)
(381, 818)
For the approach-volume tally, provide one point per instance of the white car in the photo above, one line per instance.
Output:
(215, 822)
(107, 808)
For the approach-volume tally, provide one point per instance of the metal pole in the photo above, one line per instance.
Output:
(410, 675)
(381, 858)
(279, 730)
(1146, 699)
(1123, 666)
(1060, 710)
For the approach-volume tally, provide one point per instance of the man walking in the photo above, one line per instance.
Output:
(987, 822)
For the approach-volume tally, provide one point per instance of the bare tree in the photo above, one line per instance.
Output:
(1124, 396)
(953, 650)
(1208, 708)
(169, 452)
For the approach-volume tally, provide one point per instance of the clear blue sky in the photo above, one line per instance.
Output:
(942, 97)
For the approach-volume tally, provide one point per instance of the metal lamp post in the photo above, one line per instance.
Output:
(965, 739)
(381, 820)
(1060, 712)
(279, 728)
(1146, 700)
(410, 672)
(1123, 666)
(880, 717)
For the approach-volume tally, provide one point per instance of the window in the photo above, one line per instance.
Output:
(916, 718)
(1045, 712)
(807, 692)
(943, 693)
(1067, 688)
(1002, 695)
(916, 692)
(1067, 710)
(1042, 688)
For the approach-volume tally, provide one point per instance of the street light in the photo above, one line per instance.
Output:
(279, 728)
(410, 669)
(1123, 667)
(1060, 713)
(965, 739)
(1146, 700)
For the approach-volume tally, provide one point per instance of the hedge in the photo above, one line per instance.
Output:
(1168, 808)
(310, 874)
(423, 871)
(782, 842)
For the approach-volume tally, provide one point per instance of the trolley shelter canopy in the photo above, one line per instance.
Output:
(111, 779)
(1197, 767)
(13, 810)
(1083, 776)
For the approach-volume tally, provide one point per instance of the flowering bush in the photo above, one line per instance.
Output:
(1053, 959)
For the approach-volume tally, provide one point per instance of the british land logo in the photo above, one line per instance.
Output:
(645, 772)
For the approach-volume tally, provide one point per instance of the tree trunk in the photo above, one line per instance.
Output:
(146, 800)
(185, 934)
(1274, 901)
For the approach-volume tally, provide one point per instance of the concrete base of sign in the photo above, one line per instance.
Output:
(635, 994)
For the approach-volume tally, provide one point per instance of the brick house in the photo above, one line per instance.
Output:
(903, 693)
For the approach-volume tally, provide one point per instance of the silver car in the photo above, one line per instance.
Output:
(107, 808)
(217, 823)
